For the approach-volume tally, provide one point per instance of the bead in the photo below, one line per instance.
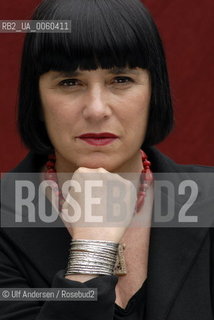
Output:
(147, 163)
(46, 176)
(140, 202)
(51, 176)
(143, 155)
(149, 176)
(139, 205)
(141, 194)
(50, 164)
(51, 170)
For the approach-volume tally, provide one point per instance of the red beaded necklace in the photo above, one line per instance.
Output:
(146, 180)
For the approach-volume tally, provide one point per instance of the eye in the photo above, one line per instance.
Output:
(123, 80)
(69, 83)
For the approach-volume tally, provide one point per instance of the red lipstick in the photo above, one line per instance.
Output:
(98, 139)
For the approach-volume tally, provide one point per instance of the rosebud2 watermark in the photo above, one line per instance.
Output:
(29, 201)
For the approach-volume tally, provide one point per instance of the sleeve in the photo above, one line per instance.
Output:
(12, 276)
(103, 308)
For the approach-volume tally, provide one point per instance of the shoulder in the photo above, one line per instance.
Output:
(187, 180)
(162, 163)
(31, 163)
(18, 188)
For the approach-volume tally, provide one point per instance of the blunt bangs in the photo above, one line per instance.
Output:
(104, 34)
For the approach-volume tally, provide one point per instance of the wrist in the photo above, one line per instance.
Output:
(81, 277)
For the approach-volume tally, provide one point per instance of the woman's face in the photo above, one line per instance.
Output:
(96, 118)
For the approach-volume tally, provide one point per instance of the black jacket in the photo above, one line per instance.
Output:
(180, 282)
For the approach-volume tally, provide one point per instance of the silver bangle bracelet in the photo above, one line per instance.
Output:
(92, 257)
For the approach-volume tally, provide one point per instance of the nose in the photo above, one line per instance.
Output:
(97, 105)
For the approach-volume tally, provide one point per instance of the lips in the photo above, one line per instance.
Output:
(98, 139)
(98, 135)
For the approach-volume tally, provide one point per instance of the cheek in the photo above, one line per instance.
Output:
(137, 110)
(57, 110)
(143, 103)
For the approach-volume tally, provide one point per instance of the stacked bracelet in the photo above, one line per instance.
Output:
(93, 257)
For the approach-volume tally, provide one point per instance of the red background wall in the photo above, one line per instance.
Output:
(187, 31)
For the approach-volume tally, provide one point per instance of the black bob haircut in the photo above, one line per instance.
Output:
(105, 34)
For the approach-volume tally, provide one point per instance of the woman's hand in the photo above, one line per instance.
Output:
(92, 209)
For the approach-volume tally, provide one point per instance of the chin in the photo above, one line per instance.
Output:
(109, 162)
(97, 163)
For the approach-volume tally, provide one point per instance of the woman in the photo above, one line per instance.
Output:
(89, 101)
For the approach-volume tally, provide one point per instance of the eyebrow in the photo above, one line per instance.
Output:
(114, 71)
